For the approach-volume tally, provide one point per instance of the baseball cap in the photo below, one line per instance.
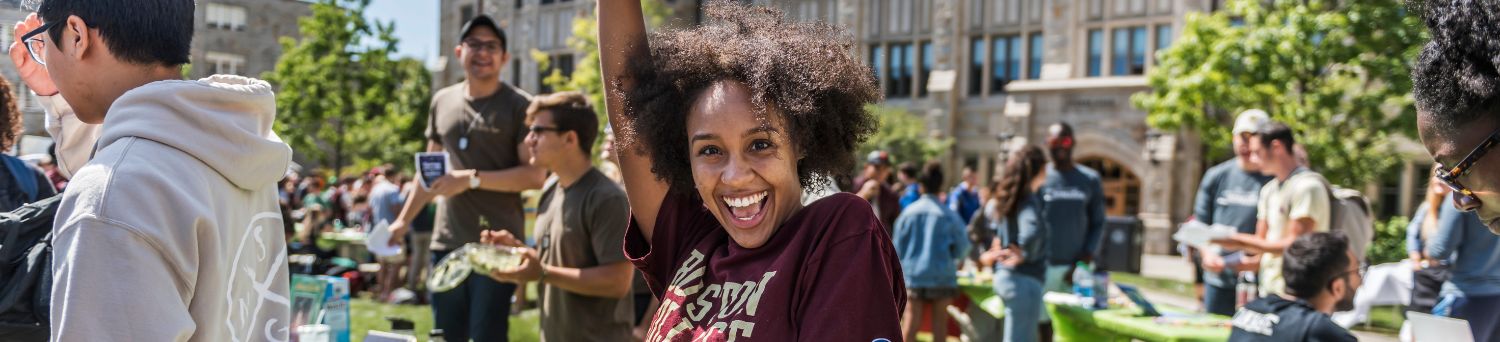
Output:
(1250, 121)
(878, 158)
(482, 21)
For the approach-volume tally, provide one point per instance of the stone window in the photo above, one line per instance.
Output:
(224, 63)
(227, 17)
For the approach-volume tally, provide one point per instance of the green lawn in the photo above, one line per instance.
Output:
(369, 315)
(1383, 319)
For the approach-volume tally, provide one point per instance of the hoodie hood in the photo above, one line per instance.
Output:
(224, 121)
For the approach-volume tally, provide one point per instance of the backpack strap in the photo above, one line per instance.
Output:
(23, 175)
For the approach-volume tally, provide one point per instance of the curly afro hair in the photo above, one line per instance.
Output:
(1456, 79)
(10, 117)
(803, 72)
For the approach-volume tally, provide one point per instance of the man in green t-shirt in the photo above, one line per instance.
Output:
(480, 123)
(580, 226)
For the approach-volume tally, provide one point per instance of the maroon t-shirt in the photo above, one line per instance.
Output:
(828, 274)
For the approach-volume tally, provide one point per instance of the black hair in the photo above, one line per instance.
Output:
(801, 73)
(1456, 79)
(931, 178)
(1313, 262)
(1065, 129)
(908, 169)
(570, 112)
(145, 32)
(1276, 131)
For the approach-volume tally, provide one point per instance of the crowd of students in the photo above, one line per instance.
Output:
(722, 128)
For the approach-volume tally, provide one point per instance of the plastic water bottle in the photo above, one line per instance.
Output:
(1246, 291)
(1101, 289)
(1083, 284)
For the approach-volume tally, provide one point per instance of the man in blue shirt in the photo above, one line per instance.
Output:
(1228, 196)
(1073, 210)
(964, 199)
(1074, 206)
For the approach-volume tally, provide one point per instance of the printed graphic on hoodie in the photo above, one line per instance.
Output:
(253, 250)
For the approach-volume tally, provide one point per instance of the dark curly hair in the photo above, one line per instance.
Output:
(803, 72)
(1456, 79)
(10, 117)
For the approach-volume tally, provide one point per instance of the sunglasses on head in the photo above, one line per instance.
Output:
(1062, 142)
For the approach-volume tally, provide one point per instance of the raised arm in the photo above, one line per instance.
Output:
(622, 40)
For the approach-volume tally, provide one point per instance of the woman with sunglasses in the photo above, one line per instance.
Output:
(721, 129)
(1456, 84)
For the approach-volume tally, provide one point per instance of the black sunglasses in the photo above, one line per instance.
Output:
(1464, 198)
(34, 44)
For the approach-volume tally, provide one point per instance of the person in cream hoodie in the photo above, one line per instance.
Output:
(169, 229)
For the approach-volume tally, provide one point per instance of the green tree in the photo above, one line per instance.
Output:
(342, 99)
(1335, 71)
(905, 136)
(586, 77)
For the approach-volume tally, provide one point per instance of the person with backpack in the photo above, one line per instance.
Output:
(1295, 203)
(171, 231)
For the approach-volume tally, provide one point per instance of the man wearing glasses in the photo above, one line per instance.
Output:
(172, 230)
(480, 123)
(1294, 204)
(580, 221)
(1321, 277)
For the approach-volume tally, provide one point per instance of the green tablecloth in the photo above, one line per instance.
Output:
(982, 294)
(1073, 323)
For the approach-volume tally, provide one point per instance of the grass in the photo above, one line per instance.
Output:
(1383, 319)
(369, 315)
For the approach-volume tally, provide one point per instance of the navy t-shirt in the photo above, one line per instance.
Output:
(1228, 196)
(1273, 318)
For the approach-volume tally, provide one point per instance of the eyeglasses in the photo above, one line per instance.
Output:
(1358, 271)
(1464, 198)
(35, 44)
(482, 46)
(544, 129)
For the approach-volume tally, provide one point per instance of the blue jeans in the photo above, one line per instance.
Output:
(478, 309)
(1218, 300)
(1483, 314)
(1023, 304)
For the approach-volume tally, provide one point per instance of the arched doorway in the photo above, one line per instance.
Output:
(1122, 189)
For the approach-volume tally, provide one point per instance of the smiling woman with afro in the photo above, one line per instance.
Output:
(722, 127)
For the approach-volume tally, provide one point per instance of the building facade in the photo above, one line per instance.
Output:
(241, 37)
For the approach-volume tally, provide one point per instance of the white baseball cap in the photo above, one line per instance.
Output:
(1250, 121)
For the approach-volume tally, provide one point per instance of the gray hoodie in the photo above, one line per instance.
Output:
(171, 231)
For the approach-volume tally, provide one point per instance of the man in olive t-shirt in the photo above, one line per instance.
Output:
(480, 123)
(581, 219)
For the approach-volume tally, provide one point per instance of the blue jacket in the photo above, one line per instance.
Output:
(964, 201)
(930, 240)
(1472, 252)
(909, 195)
